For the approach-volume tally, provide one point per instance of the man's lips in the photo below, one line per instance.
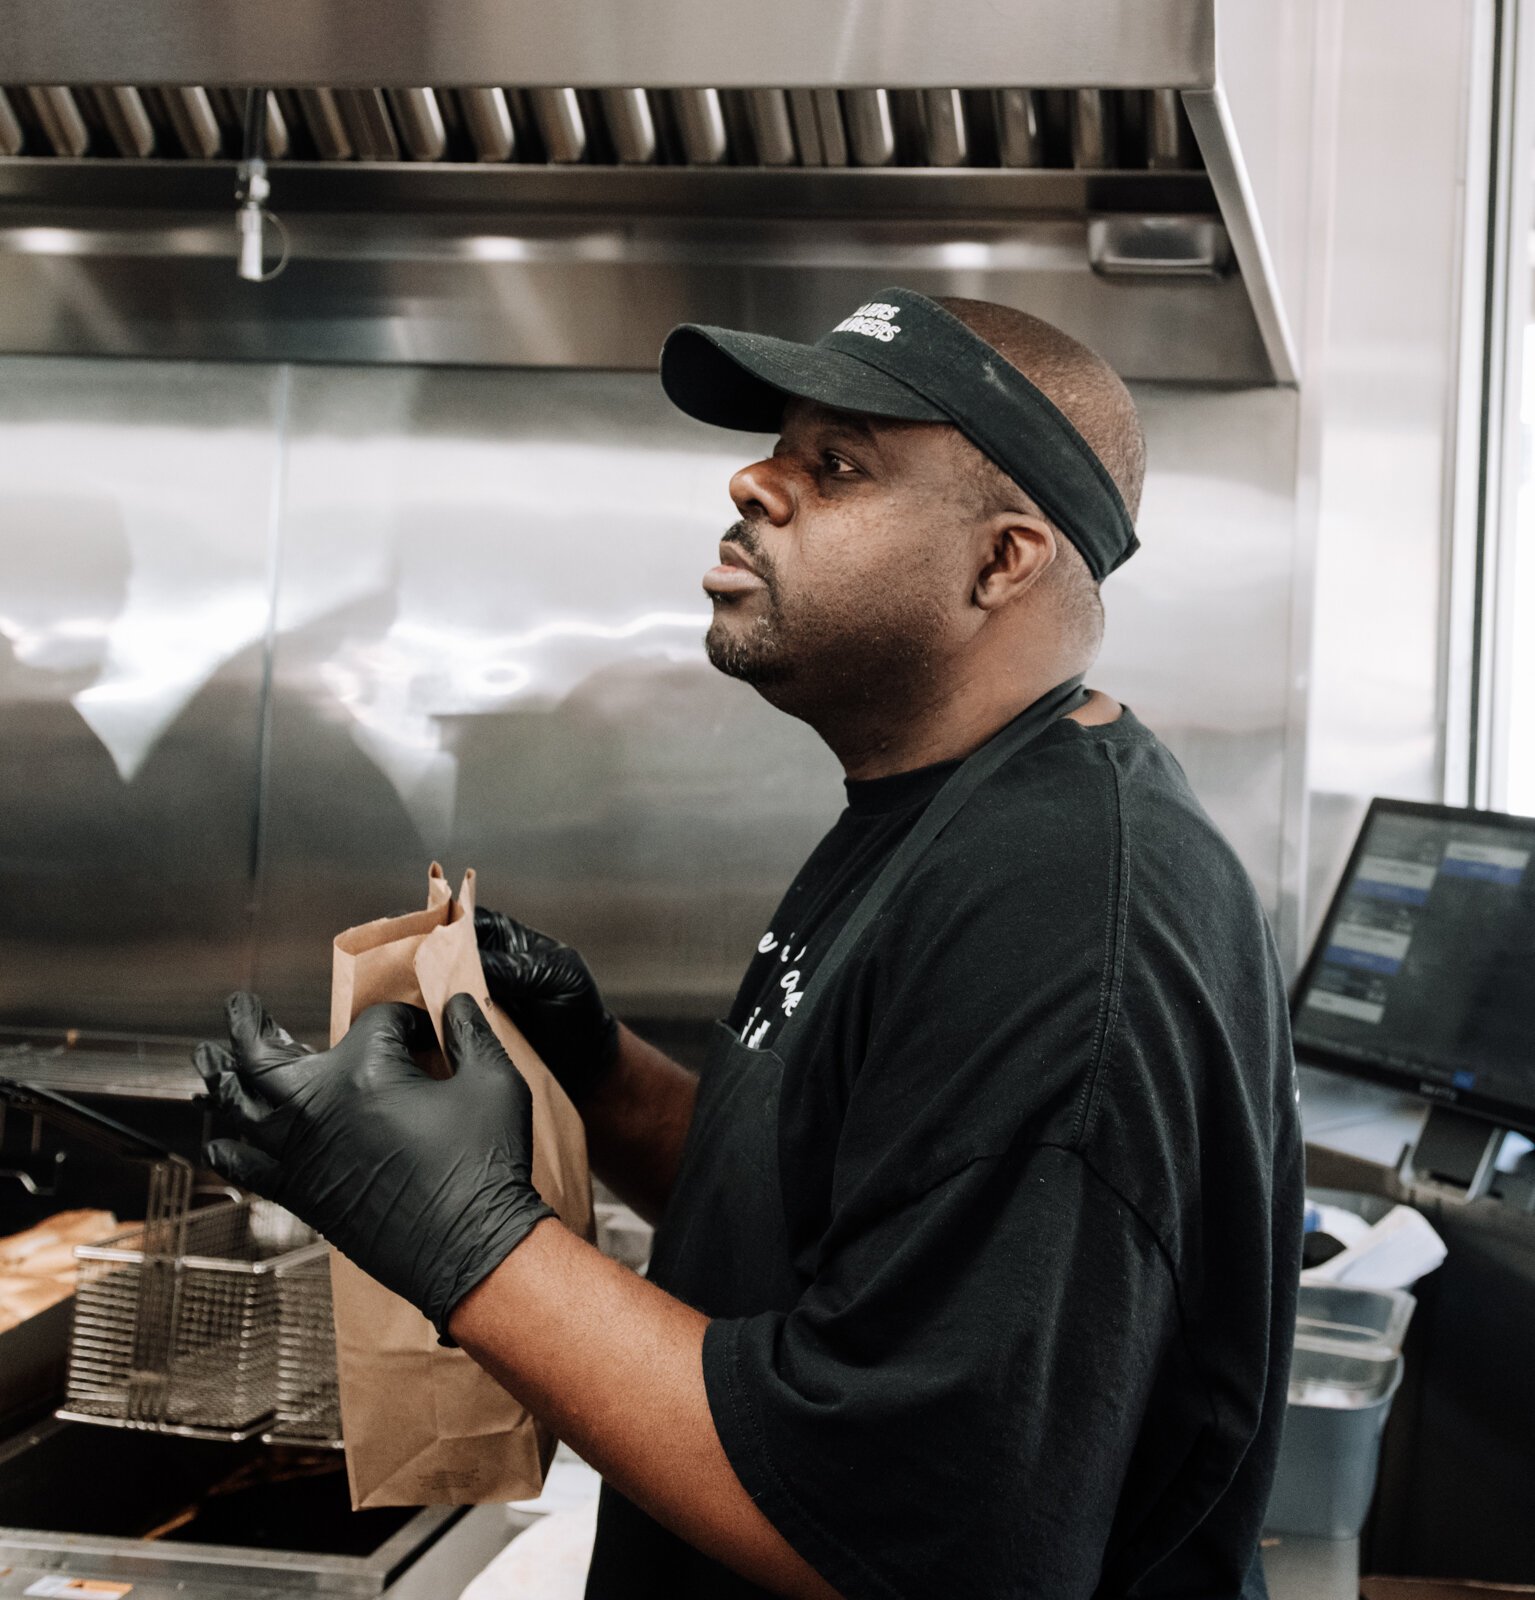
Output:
(733, 576)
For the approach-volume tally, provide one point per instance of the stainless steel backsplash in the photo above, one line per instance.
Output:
(272, 639)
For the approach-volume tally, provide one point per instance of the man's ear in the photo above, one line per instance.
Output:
(1017, 552)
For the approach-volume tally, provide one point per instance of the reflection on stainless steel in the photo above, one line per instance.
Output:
(1020, 131)
(700, 126)
(772, 128)
(568, 291)
(947, 138)
(488, 121)
(1197, 640)
(828, 110)
(633, 129)
(1092, 129)
(1210, 116)
(870, 132)
(191, 115)
(276, 130)
(59, 117)
(487, 635)
(368, 125)
(135, 523)
(1158, 247)
(818, 130)
(686, 43)
(1169, 143)
(322, 115)
(12, 140)
(807, 130)
(127, 122)
(419, 118)
(560, 123)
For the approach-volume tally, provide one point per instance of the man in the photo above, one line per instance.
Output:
(979, 1231)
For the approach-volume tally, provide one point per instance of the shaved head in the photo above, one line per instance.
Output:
(1093, 398)
(1077, 381)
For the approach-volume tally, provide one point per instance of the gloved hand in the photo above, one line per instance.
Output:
(424, 1183)
(545, 988)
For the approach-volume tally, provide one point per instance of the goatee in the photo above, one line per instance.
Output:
(751, 659)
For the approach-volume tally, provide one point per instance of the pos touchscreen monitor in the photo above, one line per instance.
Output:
(1423, 973)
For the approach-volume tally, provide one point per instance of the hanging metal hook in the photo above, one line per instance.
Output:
(251, 196)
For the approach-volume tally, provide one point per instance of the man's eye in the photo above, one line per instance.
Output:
(838, 466)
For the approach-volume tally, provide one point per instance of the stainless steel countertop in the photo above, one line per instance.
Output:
(440, 1573)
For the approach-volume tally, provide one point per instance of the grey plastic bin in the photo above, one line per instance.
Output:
(1331, 1448)
(1346, 1369)
(1352, 1321)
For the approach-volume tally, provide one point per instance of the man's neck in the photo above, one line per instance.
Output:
(946, 728)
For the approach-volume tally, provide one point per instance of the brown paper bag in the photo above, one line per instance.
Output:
(424, 1425)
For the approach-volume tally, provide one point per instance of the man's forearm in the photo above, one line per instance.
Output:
(636, 1123)
(615, 1366)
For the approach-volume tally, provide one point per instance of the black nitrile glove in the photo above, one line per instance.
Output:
(424, 1183)
(545, 988)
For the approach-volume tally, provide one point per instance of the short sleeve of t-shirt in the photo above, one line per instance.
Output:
(949, 1408)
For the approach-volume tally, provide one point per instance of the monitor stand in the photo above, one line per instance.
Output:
(1454, 1154)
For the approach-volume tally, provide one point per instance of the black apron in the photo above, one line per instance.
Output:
(727, 1258)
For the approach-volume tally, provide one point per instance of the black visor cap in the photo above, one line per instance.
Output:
(742, 380)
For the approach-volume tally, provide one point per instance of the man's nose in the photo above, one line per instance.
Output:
(762, 491)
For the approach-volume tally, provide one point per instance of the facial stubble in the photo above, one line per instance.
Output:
(814, 652)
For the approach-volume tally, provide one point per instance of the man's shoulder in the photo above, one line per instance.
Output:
(1064, 813)
(1087, 850)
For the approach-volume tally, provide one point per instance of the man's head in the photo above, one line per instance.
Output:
(892, 557)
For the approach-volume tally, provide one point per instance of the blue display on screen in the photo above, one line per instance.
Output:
(1362, 960)
(1390, 891)
(1483, 870)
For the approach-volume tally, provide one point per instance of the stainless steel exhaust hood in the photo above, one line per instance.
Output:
(502, 181)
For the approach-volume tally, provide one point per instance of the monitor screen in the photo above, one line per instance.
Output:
(1423, 974)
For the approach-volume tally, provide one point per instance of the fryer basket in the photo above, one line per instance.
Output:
(308, 1403)
(207, 1320)
(187, 1340)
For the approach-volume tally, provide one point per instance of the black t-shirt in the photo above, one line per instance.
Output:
(1040, 1177)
